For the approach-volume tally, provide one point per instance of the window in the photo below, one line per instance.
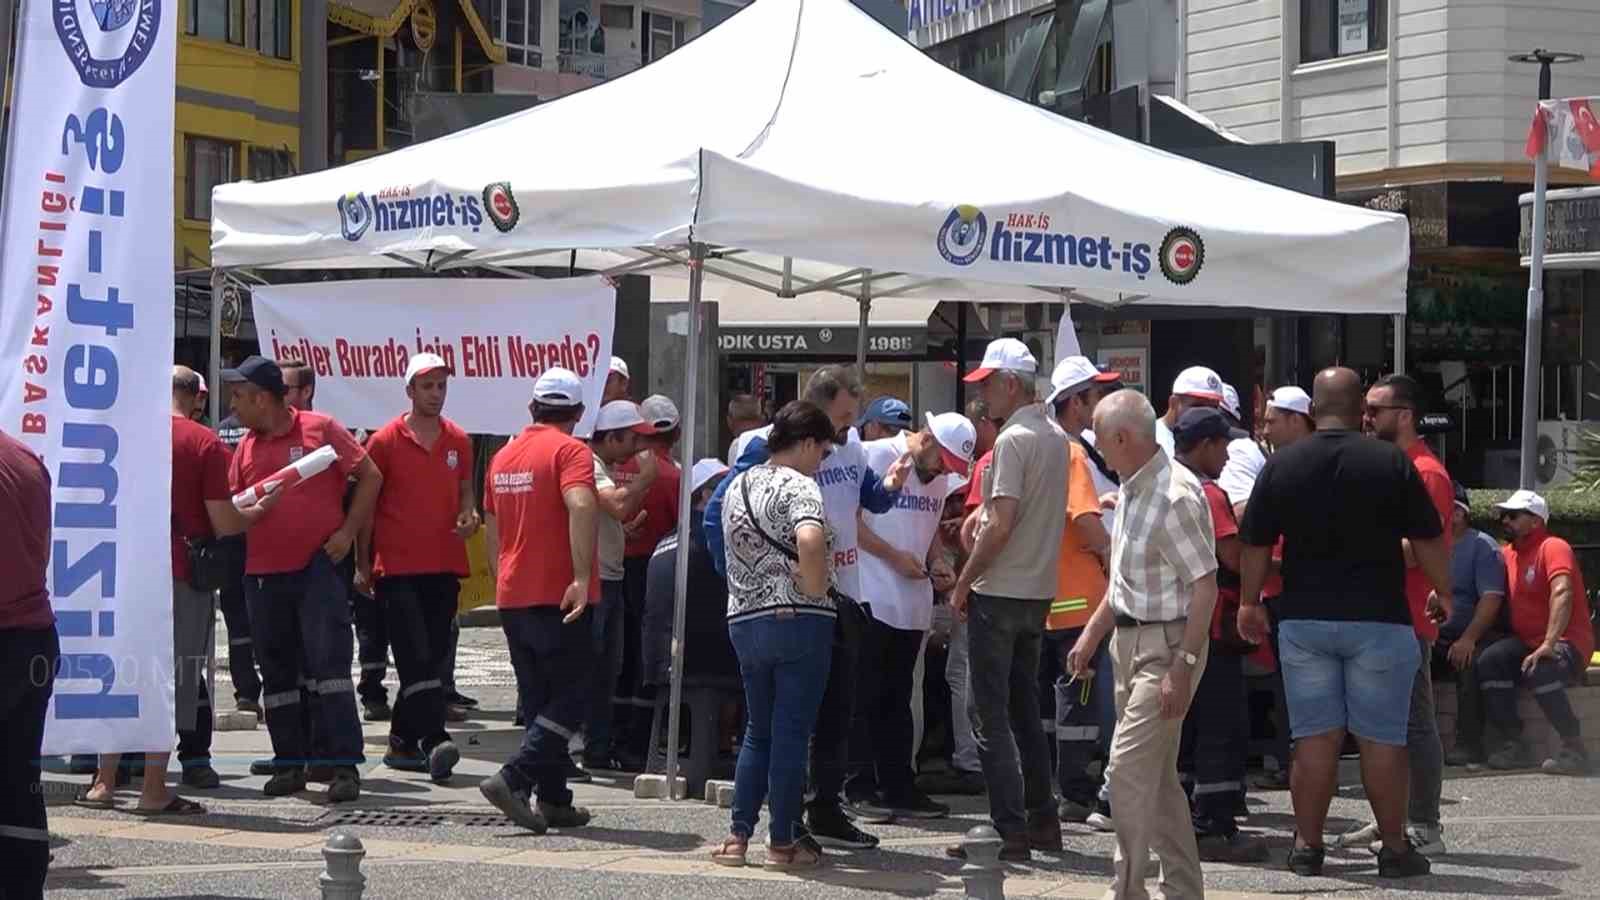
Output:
(268, 163)
(209, 19)
(210, 163)
(662, 35)
(519, 31)
(274, 21)
(1334, 28)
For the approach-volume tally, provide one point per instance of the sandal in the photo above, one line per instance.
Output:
(732, 852)
(795, 856)
(178, 807)
(82, 799)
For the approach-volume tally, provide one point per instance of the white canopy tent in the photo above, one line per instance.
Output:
(800, 147)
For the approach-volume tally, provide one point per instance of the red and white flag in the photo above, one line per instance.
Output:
(1569, 131)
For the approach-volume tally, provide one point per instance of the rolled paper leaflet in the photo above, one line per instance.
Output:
(308, 466)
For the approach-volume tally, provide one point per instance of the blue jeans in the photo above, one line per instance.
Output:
(301, 625)
(553, 662)
(605, 626)
(785, 663)
(1353, 676)
(1005, 637)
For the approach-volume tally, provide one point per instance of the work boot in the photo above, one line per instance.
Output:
(1513, 754)
(564, 816)
(514, 805)
(1044, 831)
(345, 785)
(285, 782)
(1231, 848)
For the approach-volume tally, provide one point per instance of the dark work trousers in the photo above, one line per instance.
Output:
(830, 739)
(1469, 696)
(554, 665)
(194, 745)
(301, 622)
(1005, 637)
(27, 678)
(605, 623)
(1084, 744)
(1282, 743)
(447, 673)
(372, 647)
(1500, 674)
(881, 745)
(634, 704)
(241, 648)
(417, 610)
(1216, 740)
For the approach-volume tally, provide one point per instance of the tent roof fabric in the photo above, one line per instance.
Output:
(840, 154)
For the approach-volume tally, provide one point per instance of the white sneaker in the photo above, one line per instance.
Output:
(1366, 834)
(1101, 822)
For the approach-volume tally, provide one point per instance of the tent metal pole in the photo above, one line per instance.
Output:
(214, 363)
(697, 257)
(861, 329)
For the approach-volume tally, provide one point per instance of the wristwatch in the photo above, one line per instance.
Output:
(1188, 657)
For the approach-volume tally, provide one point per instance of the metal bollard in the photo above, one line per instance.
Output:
(342, 878)
(982, 874)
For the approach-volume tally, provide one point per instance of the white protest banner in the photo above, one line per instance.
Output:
(496, 334)
(86, 349)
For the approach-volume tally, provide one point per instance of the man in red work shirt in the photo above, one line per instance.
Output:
(634, 704)
(418, 556)
(299, 608)
(1393, 407)
(540, 497)
(1551, 639)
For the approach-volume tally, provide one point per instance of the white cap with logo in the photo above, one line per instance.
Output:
(1004, 355)
(423, 362)
(620, 367)
(957, 440)
(1291, 399)
(622, 414)
(659, 411)
(558, 387)
(1230, 402)
(1074, 373)
(1198, 382)
(704, 470)
(1528, 502)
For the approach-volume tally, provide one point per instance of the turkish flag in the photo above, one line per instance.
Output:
(1588, 128)
(1536, 133)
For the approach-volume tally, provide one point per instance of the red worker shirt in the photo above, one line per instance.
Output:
(523, 492)
(975, 482)
(309, 513)
(414, 524)
(1531, 564)
(1440, 490)
(1223, 525)
(199, 473)
(660, 504)
(25, 539)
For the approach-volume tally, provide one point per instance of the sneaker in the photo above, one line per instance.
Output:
(1426, 839)
(345, 786)
(377, 711)
(285, 782)
(564, 816)
(405, 760)
(1044, 832)
(514, 805)
(202, 777)
(263, 767)
(1100, 819)
(576, 774)
(1231, 848)
(1461, 755)
(1512, 755)
(955, 781)
(1366, 834)
(917, 805)
(868, 808)
(829, 827)
(1402, 865)
(804, 838)
(442, 761)
(1569, 760)
(249, 706)
(455, 698)
(1070, 811)
(1306, 861)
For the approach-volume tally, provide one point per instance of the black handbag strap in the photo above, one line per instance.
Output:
(749, 511)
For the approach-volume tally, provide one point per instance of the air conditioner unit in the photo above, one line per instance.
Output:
(1559, 443)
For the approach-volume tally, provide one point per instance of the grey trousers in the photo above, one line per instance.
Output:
(1422, 745)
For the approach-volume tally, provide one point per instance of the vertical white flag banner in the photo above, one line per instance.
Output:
(1066, 336)
(86, 349)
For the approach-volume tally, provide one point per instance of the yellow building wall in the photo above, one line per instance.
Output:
(233, 94)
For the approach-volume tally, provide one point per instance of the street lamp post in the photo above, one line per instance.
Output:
(1533, 343)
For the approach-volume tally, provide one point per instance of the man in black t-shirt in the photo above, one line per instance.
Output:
(1342, 502)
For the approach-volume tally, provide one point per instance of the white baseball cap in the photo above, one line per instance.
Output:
(558, 387)
(423, 362)
(620, 366)
(622, 414)
(660, 411)
(704, 470)
(202, 383)
(957, 440)
(1291, 399)
(1230, 402)
(1075, 373)
(1004, 355)
(1198, 382)
(1526, 501)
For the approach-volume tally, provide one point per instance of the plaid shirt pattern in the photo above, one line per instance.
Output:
(1162, 542)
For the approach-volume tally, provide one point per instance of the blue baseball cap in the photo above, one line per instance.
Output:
(887, 411)
(259, 371)
(1200, 423)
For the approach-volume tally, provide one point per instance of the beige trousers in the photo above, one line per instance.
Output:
(1148, 804)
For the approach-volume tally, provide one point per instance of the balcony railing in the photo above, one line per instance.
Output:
(598, 66)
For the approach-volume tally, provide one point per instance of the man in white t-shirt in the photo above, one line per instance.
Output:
(1245, 458)
(900, 567)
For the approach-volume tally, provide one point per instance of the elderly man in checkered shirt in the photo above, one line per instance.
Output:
(1163, 574)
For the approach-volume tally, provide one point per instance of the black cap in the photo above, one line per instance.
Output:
(259, 371)
(1462, 500)
(1200, 423)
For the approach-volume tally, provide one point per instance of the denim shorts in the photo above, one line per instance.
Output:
(1348, 675)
